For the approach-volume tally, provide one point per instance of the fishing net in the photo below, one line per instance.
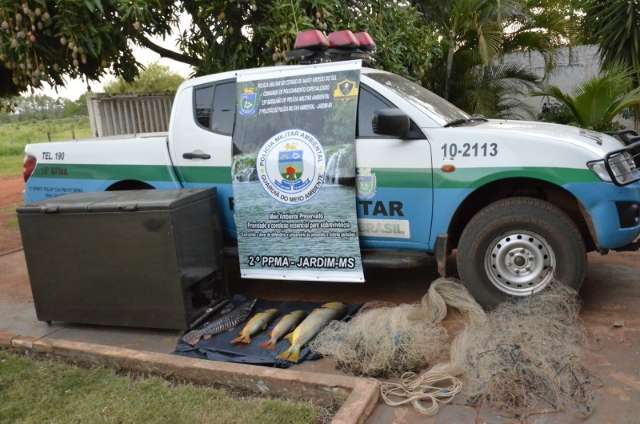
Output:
(382, 342)
(440, 384)
(527, 358)
(522, 357)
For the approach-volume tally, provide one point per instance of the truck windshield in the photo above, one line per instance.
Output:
(420, 97)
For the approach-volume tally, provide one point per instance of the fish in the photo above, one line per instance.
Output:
(258, 323)
(283, 326)
(310, 327)
(226, 322)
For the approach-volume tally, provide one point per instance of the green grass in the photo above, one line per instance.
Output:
(37, 391)
(11, 166)
(15, 135)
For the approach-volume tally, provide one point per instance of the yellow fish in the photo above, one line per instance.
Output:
(283, 326)
(258, 323)
(311, 326)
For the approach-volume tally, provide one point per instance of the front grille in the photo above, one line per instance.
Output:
(624, 165)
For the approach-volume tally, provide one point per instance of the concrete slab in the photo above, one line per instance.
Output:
(130, 338)
(20, 318)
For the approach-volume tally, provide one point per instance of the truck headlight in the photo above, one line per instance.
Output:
(598, 167)
(623, 168)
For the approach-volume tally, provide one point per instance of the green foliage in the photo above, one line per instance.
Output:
(596, 103)
(406, 42)
(555, 112)
(14, 136)
(88, 38)
(439, 43)
(496, 91)
(34, 107)
(37, 391)
(615, 25)
(38, 107)
(155, 78)
(46, 40)
(475, 33)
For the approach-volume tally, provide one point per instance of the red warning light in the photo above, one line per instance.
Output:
(343, 40)
(366, 42)
(311, 39)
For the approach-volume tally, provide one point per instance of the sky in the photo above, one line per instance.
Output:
(77, 87)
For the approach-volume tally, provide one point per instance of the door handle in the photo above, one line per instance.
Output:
(196, 155)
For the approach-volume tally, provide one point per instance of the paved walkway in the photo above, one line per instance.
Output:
(611, 295)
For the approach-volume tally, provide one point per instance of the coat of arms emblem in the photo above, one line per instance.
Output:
(290, 164)
(248, 101)
(346, 90)
(366, 184)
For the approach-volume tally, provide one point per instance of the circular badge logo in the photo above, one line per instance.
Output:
(291, 166)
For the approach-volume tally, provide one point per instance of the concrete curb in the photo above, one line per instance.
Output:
(361, 394)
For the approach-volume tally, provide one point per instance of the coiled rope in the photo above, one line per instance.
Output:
(439, 385)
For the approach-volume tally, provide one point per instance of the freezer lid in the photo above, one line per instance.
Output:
(118, 201)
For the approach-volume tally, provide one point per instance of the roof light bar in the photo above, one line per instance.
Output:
(312, 46)
(311, 39)
(366, 42)
(344, 39)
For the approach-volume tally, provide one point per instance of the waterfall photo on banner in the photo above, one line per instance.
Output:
(294, 173)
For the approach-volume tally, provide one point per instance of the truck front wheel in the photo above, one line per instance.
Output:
(516, 247)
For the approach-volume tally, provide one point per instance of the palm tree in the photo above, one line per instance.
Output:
(497, 91)
(474, 34)
(596, 103)
(467, 24)
(617, 24)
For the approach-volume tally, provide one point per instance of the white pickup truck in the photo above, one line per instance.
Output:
(522, 202)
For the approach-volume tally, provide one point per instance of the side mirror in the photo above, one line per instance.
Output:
(392, 122)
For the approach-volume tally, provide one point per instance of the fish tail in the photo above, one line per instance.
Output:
(269, 344)
(292, 354)
(289, 337)
(241, 339)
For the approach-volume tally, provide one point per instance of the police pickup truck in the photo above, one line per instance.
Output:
(522, 202)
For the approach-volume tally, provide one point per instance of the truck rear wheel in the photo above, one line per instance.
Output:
(516, 247)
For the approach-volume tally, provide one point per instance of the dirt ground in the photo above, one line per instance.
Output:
(611, 314)
(10, 198)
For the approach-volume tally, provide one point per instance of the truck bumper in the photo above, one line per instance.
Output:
(614, 212)
(632, 247)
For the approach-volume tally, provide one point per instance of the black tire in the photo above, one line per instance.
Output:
(512, 215)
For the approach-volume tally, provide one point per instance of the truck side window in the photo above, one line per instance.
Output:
(368, 103)
(224, 108)
(215, 106)
(203, 103)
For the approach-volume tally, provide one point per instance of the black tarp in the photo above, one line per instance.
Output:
(219, 348)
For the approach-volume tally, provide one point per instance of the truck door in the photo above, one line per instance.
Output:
(201, 141)
(394, 182)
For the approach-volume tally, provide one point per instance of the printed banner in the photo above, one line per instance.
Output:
(294, 173)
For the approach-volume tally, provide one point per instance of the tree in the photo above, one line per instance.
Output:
(48, 40)
(596, 103)
(155, 78)
(406, 42)
(465, 24)
(497, 90)
(475, 34)
(617, 32)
